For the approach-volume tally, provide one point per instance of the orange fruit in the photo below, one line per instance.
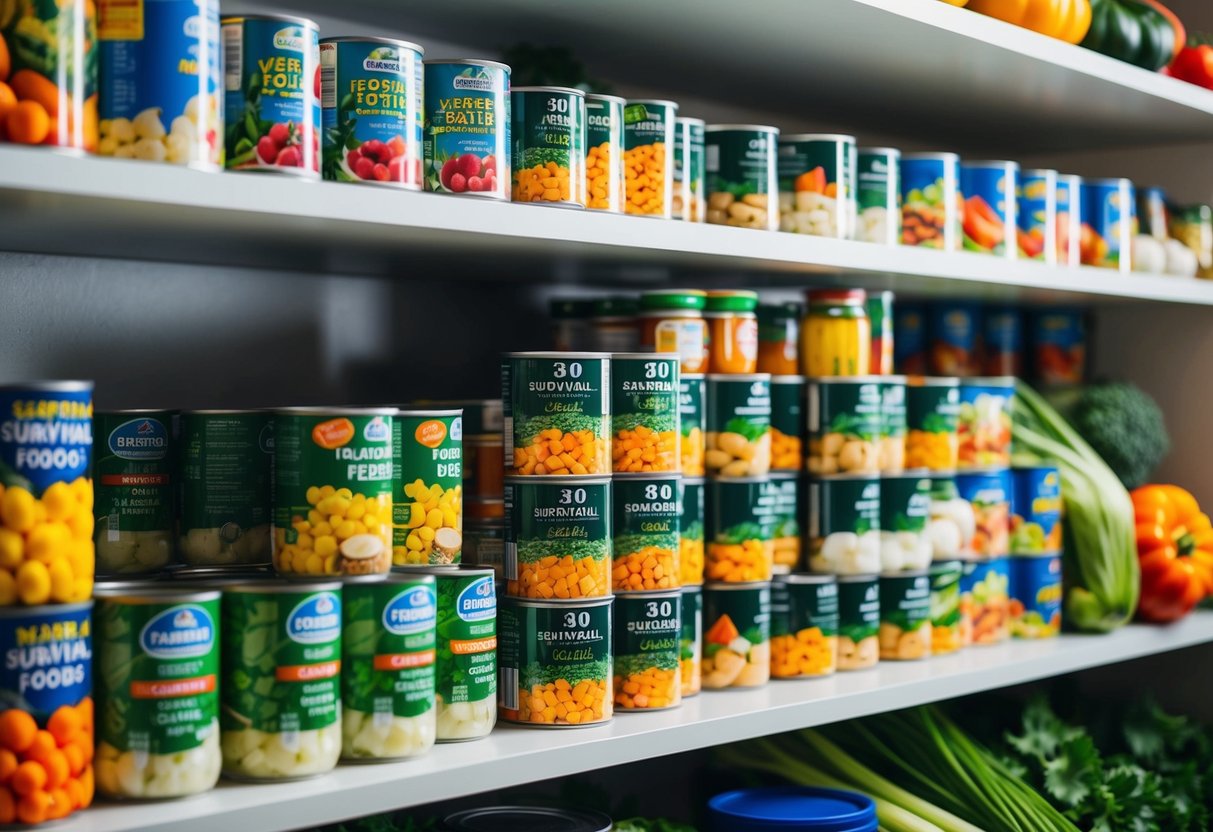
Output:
(42, 747)
(17, 730)
(8, 806)
(29, 778)
(34, 86)
(27, 123)
(6, 65)
(34, 807)
(65, 723)
(8, 98)
(8, 765)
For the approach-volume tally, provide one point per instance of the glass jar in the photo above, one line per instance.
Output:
(779, 338)
(613, 325)
(732, 331)
(672, 321)
(836, 339)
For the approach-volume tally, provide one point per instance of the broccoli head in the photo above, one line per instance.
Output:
(1125, 426)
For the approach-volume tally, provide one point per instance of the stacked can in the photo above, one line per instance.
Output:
(1036, 541)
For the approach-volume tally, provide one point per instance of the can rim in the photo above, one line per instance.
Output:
(916, 473)
(990, 164)
(739, 480)
(633, 476)
(691, 120)
(982, 471)
(470, 62)
(932, 381)
(603, 479)
(735, 585)
(648, 593)
(645, 356)
(938, 156)
(151, 594)
(604, 600)
(791, 378)
(809, 137)
(661, 102)
(220, 411)
(282, 586)
(692, 376)
(988, 381)
(51, 386)
(758, 128)
(889, 151)
(694, 480)
(403, 412)
(907, 573)
(407, 44)
(865, 379)
(806, 578)
(864, 577)
(784, 474)
(135, 410)
(544, 88)
(15, 611)
(875, 476)
(1115, 180)
(1033, 171)
(738, 376)
(284, 18)
(602, 96)
(558, 353)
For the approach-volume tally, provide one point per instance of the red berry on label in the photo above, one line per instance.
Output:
(396, 169)
(396, 146)
(289, 157)
(365, 168)
(267, 150)
(381, 172)
(469, 164)
(475, 183)
(279, 134)
(459, 183)
(449, 168)
(371, 149)
(490, 162)
(351, 158)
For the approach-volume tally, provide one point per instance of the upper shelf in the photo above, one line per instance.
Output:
(915, 68)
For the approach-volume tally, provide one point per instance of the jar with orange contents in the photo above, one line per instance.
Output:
(836, 339)
(732, 331)
(672, 321)
(779, 338)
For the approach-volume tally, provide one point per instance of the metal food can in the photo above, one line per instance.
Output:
(910, 343)
(158, 653)
(648, 149)
(1108, 223)
(133, 453)
(271, 81)
(804, 626)
(371, 111)
(844, 524)
(549, 140)
(947, 630)
(950, 523)
(931, 201)
(739, 531)
(527, 817)
(645, 528)
(878, 195)
(557, 400)
(880, 320)
(738, 436)
(905, 616)
(427, 475)
(604, 182)
(845, 422)
(1070, 219)
(648, 667)
(787, 423)
(905, 503)
(858, 621)
(555, 666)
(645, 392)
(742, 179)
(226, 464)
(690, 642)
(1059, 346)
(467, 653)
(160, 82)
(985, 601)
(558, 538)
(690, 174)
(333, 471)
(984, 422)
(1035, 596)
(989, 219)
(932, 409)
(816, 181)
(467, 127)
(1036, 511)
(693, 415)
(1153, 213)
(484, 544)
(736, 636)
(781, 510)
(989, 492)
(955, 329)
(1002, 342)
(891, 455)
(690, 532)
(1036, 213)
(284, 641)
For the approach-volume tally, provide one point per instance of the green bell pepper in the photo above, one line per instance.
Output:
(1132, 31)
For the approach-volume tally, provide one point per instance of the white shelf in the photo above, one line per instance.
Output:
(513, 756)
(57, 204)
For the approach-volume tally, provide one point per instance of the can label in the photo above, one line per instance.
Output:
(427, 504)
(1036, 511)
(467, 129)
(878, 196)
(858, 623)
(1036, 593)
(134, 507)
(332, 493)
(158, 689)
(48, 658)
(955, 339)
(645, 544)
(984, 425)
(388, 650)
(880, 318)
(693, 417)
(558, 539)
(947, 632)
(690, 174)
(931, 417)
(742, 181)
(549, 135)
(905, 501)
(910, 345)
(845, 421)
(1069, 220)
(644, 407)
(739, 427)
(891, 455)
(984, 600)
(989, 209)
(737, 637)
(648, 146)
(931, 203)
(160, 76)
(1108, 223)
(905, 617)
(370, 99)
(787, 424)
(226, 465)
(1059, 345)
(815, 181)
(804, 628)
(647, 651)
(271, 78)
(690, 532)
(555, 664)
(990, 495)
(604, 186)
(467, 642)
(780, 508)
(1002, 342)
(1037, 216)
(690, 642)
(740, 531)
(844, 524)
(556, 402)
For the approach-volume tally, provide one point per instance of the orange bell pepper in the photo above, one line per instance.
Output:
(1175, 551)
(1066, 20)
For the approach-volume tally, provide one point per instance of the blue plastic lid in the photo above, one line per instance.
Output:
(792, 809)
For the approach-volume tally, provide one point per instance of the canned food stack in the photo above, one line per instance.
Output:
(1036, 548)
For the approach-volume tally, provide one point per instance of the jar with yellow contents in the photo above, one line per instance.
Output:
(732, 331)
(836, 337)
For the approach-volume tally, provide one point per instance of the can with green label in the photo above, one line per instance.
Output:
(467, 653)
(157, 688)
(880, 320)
(905, 615)
(558, 537)
(133, 460)
(878, 195)
(604, 182)
(736, 636)
(738, 437)
(905, 504)
(693, 415)
(932, 410)
(816, 181)
(645, 392)
(333, 477)
(787, 423)
(690, 200)
(690, 643)
(547, 129)
(387, 674)
(739, 530)
(280, 660)
(947, 630)
(555, 662)
(690, 532)
(427, 491)
(892, 452)
(858, 621)
(648, 669)
(226, 462)
(645, 530)
(845, 422)
(804, 625)
(742, 183)
(648, 151)
(557, 413)
(784, 510)
(844, 524)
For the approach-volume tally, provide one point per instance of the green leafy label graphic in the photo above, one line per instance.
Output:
(556, 519)
(853, 409)
(645, 391)
(800, 605)
(467, 638)
(647, 632)
(905, 502)
(851, 504)
(905, 601)
(545, 644)
(540, 393)
(741, 162)
(859, 608)
(690, 526)
(690, 404)
(739, 406)
(932, 408)
(747, 607)
(388, 647)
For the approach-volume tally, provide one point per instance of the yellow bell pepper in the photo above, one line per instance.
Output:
(956, 2)
(1066, 20)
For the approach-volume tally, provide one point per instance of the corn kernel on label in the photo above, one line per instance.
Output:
(549, 136)
(739, 406)
(893, 409)
(557, 399)
(134, 476)
(800, 605)
(691, 410)
(48, 656)
(467, 129)
(905, 601)
(848, 408)
(647, 632)
(850, 504)
(690, 526)
(388, 647)
(932, 408)
(556, 521)
(905, 502)
(427, 499)
(741, 162)
(45, 437)
(740, 510)
(281, 660)
(157, 674)
(467, 637)
(945, 594)
(787, 397)
(859, 608)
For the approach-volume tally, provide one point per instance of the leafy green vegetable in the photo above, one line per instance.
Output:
(626, 544)
(1122, 423)
(540, 156)
(751, 429)
(659, 422)
(740, 533)
(596, 671)
(565, 422)
(530, 551)
(627, 665)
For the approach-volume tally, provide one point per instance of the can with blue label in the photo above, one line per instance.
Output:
(1002, 341)
(1036, 511)
(1036, 594)
(371, 111)
(46, 446)
(985, 601)
(157, 692)
(134, 454)
(989, 493)
(955, 332)
(467, 653)
(1059, 346)
(160, 82)
(467, 128)
(1070, 220)
(1036, 214)
(271, 82)
(931, 201)
(1108, 223)
(984, 422)
(989, 220)
(910, 339)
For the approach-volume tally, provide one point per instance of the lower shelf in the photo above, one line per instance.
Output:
(513, 756)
